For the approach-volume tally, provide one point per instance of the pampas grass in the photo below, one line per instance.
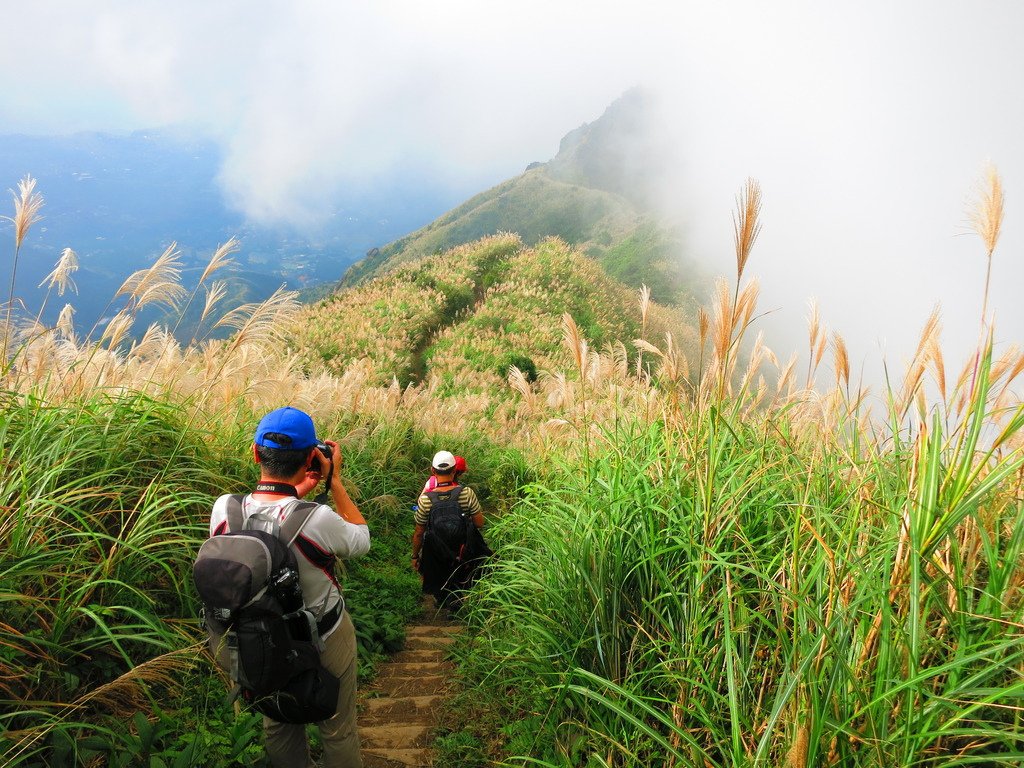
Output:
(746, 224)
(986, 218)
(27, 204)
(158, 284)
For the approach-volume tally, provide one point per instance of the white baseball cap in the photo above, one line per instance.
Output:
(444, 461)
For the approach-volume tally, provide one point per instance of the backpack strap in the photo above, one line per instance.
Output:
(233, 508)
(456, 493)
(297, 517)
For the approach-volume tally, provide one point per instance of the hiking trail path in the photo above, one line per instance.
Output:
(398, 712)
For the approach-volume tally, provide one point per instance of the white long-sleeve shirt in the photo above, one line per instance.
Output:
(324, 538)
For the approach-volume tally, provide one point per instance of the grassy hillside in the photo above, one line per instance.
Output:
(457, 321)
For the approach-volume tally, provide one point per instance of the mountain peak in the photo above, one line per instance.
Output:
(621, 152)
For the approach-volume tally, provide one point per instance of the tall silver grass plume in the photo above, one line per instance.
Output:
(66, 322)
(932, 328)
(645, 303)
(27, 204)
(262, 322)
(939, 364)
(160, 283)
(813, 324)
(60, 277)
(746, 226)
(986, 211)
(517, 380)
(117, 329)
(785, 382)
(986, 217)
(646, 346)
(214, 293)
(842, 360)
(723, 317)
(575, 342)
(746, 304)
(220, 259)
(919, 363)
(153, 341)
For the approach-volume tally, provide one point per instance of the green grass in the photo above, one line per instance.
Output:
(109, 499)
(718, 590)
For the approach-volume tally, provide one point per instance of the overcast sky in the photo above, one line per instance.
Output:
(867, 125)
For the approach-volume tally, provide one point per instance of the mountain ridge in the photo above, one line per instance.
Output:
(597, 193)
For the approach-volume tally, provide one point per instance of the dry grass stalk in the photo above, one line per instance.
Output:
(117, 329)
(986, 212)
(723, 316)
(796, 757)
(518, 381)
(153, 343)
(262, 322)
(986, 217)
(938, 362)
(220, 258)
(918, 364)
(816, 343)
(575, 342)
(215, 292)
(703, 323)
(746, 304)
(757, 357)
(645, 305)
(746, 226)
(60, 277)
(786, 381)
(66, 323)
(27, 204)
(158, 283)
(842, 361)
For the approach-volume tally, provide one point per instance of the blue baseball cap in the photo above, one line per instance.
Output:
(291, 428)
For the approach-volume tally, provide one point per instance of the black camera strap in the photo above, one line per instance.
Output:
(284, 489)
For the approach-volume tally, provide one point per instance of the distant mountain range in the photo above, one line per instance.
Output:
(599, 193)
(119, 200)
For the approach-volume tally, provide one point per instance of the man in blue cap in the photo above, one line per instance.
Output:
(291, 466)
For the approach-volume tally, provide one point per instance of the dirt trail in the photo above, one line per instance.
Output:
(398, 713)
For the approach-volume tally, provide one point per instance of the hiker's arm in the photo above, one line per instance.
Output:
(343, 505)
(417, 545)
(476, 511)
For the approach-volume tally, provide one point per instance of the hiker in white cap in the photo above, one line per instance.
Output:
(447, 546)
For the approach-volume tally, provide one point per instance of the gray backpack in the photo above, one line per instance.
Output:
(259, 628)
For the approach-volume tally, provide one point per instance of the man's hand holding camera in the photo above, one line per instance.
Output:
(326, 457)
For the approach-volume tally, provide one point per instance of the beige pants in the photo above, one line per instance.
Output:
(287, 746)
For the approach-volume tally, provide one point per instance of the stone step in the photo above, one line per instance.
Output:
(418, 656)
(396, 758)
(400, 687)
(389, 706)
(412, 669)
(428, 643)
(420, 630)
(398, 714)
(376, 737)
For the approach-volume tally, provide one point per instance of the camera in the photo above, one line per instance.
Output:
(327, 454)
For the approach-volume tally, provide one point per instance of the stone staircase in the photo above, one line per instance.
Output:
(399, 712)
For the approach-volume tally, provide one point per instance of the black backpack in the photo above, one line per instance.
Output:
(259, 629)
(447, 532)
